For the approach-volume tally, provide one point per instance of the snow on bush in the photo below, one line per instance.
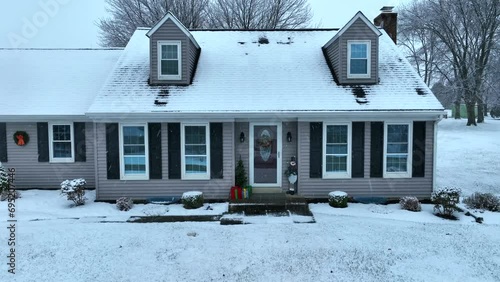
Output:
(6, 194)
(4, 179)
(445, 201)
(4, 186)
(495, 111)
(74, 190)
(192, 200)
(338, 199)
(124, 203)
(410, 203)
(483, 201)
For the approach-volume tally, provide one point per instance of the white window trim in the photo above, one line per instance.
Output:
(368, 54)
(198, 176)
(158, 55)
(144, 176)
(347, 174)
(52, 159)
(408, 173)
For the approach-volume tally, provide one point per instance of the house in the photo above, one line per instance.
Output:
(179, 108)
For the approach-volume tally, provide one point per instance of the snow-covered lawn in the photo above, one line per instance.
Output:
(359, 243)
(469, 156)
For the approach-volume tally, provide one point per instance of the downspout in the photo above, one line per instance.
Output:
(434, 156)
(96, 174)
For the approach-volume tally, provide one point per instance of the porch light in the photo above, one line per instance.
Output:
(242, 137)
(289, 136)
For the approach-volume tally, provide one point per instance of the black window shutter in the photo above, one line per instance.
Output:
(174, 151)
(154, 136)
(80, 146)
(418, 161)
(3, 142)
(358, 149)
(216, 156)
(42, 129)
(316, 150)
(377, 149)
(112, 151)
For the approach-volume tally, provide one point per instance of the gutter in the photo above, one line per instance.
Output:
(96, 174)
(421, 115)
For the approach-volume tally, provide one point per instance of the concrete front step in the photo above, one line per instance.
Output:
(261, 204)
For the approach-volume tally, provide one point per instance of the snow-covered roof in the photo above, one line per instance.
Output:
(236, 74)
(52, 82)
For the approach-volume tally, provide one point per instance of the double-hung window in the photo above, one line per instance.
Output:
(358, 60)
(337, 150)
(397, 153)
(61, 144)
(169, 60)
(134, 152)
(195, 159)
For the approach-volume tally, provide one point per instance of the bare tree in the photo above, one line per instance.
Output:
(127, 15)
(467, 28)
(259, 14)
(421, 44)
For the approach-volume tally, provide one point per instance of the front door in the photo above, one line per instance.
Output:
(265, 154)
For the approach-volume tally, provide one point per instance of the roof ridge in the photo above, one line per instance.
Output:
(266, 29)
(67, 49)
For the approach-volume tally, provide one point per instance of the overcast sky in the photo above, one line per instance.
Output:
(71, 23)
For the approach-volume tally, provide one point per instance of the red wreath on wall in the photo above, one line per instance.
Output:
(21, 138)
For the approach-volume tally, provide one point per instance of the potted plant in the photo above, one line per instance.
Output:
(291, 172)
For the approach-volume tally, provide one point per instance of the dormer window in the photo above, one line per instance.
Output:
(169, 60)
(358, 62)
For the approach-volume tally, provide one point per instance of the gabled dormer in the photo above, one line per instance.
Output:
(173, 52)
(353, 52)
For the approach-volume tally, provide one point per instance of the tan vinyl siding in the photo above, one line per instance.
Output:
(193, 52)
(45, 175)
(111, 189)
(170, 31)
(337, 53)
(289, 149)
(372, 187)
(333, 54)
(242, 149)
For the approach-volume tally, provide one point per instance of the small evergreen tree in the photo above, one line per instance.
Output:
(241, 175)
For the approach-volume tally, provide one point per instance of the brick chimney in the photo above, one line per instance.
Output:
(388, 20)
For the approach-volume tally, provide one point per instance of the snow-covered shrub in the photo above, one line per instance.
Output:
(410, 203)
(4, 179)
(445, 201)
(192, 199)
(124, 203)
(5, 195)
(338, 199)
(74, 190)
(495, 111)
(483, 201)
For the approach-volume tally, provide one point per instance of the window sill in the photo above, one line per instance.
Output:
(59, 161)
(327, 175)
(195, 177)
(142, 177)
(173, 77)
(358, 76)
(397, 175)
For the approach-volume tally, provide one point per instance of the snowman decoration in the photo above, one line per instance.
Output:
(291, 173)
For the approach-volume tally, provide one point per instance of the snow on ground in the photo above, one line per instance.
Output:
(358, 243)
(469, 156)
